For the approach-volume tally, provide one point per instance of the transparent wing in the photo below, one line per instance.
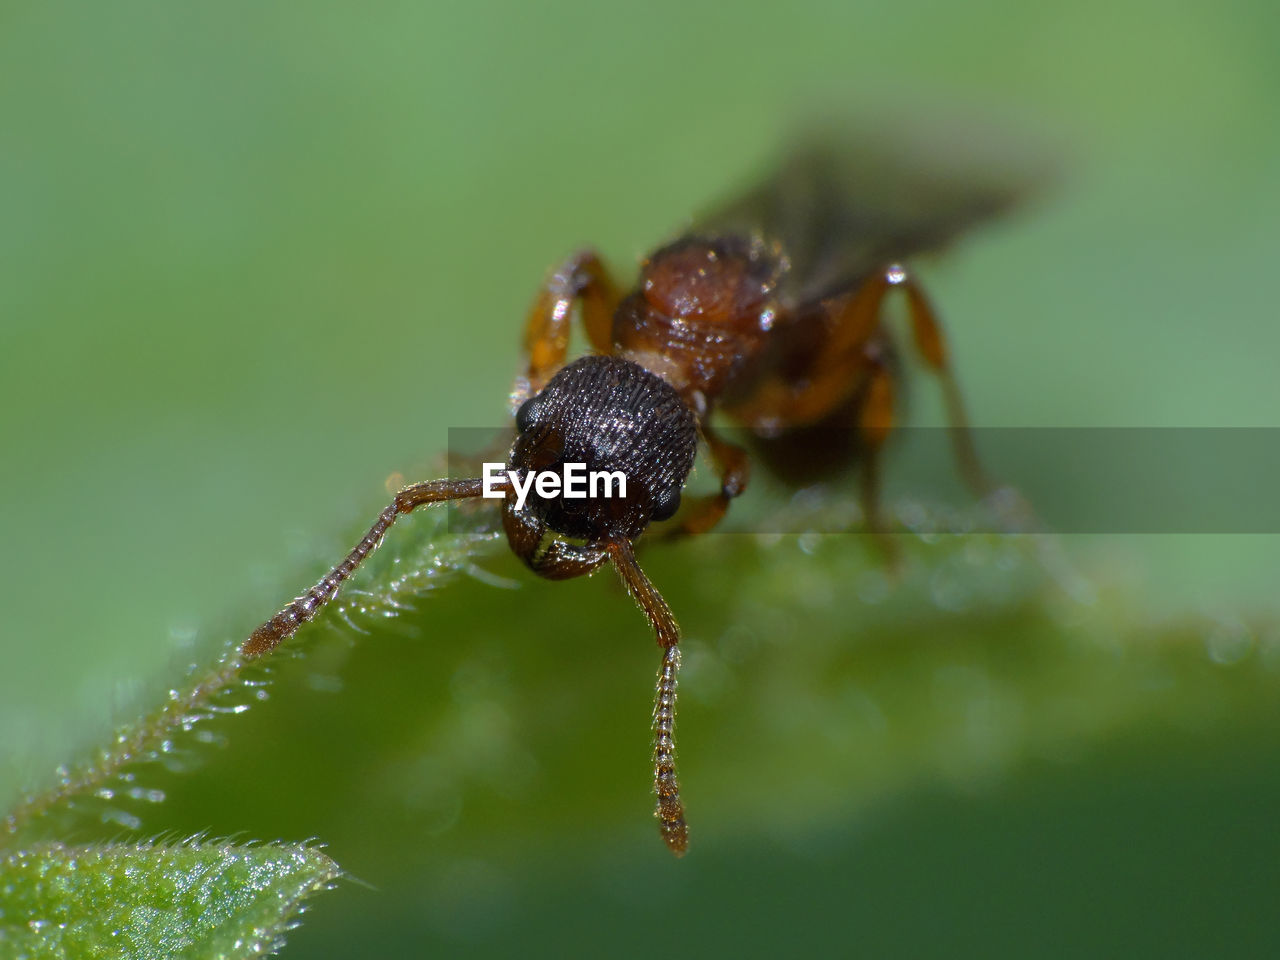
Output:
(848, 198)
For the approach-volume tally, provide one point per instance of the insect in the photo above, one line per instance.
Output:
(769, 311)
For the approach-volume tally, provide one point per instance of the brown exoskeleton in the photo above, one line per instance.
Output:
(769, 311)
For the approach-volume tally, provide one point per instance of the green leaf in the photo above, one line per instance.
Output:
(193, 900)
(113, 785)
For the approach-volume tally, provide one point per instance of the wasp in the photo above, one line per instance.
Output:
(769, 312)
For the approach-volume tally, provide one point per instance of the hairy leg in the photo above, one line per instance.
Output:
(669, 809)
(305, 607)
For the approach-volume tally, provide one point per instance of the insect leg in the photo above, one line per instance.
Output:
(927, 334)
(1016, 514)
(875, 422)
(580, 279)
(734, 469)
(304, 608)
(669, 809)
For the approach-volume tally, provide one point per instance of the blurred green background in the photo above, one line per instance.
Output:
(256, 258)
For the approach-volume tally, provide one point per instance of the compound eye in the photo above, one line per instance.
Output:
(527, 415)
(665, 505)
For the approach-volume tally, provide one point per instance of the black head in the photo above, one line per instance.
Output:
(610, 415)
